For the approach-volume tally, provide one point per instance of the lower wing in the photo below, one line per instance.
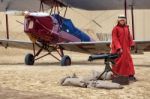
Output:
(87, 47)
(17, 44)
(82, 47)
(101, 47)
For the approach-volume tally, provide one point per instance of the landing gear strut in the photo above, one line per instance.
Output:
(31, 58)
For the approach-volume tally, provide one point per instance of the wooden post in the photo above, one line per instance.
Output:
(125, 8)
(7, 27)
(132, 18)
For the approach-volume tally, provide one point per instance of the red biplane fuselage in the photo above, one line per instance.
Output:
(53, 29)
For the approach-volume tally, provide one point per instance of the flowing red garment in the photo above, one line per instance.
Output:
(122, 39)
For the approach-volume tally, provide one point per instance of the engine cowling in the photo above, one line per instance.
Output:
(42, 28)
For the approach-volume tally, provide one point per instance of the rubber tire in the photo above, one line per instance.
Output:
(65, 61)
(29, 59)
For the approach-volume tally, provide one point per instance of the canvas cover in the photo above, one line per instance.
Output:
(68, 26)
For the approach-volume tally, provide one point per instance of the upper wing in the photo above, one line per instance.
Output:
(107, 4)
(100, 47)
(21, 5)
(34, 5)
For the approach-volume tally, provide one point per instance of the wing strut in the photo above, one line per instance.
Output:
(41, 6)
(65, 11)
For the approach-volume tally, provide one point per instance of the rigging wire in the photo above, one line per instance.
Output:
(94, 19)
(90, 20)
(106, 18)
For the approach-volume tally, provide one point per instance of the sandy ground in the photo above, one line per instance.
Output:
(18, 81)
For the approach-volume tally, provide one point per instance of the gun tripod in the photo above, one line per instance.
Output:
(107, 68)
(108, 60)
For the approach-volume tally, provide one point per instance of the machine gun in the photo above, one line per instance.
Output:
(108, 59)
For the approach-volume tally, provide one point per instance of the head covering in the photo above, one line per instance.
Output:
(121, 17)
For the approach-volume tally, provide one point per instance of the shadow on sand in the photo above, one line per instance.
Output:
(56, 63)
(79, 63)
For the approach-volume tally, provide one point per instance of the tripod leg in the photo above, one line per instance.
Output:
(100, 77)
(114, 73)
(105, 75)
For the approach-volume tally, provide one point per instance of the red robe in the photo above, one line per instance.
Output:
(122, 39)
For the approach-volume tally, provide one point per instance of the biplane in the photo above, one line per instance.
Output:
(51, 32)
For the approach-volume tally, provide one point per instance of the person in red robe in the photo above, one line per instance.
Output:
(121, 43)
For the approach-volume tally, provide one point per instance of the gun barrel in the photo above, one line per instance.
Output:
(103, 56)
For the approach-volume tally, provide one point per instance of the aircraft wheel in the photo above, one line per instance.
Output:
(65, 61)
(29, 59)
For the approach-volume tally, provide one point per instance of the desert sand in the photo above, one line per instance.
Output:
(18, 81)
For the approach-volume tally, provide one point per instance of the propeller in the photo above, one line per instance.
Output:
(20, 22)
